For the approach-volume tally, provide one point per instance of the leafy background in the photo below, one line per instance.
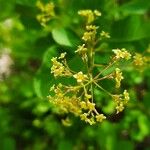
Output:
(27, 121)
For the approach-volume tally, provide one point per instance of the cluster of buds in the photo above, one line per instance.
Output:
(89, 15)
(121, 100)
(82, 51)
(90, 114)
(118, 77)
(59, 68)
(90, 34)
(47, 12)
(121, 54)
(139, 60)
(80, 77)
(66, 100)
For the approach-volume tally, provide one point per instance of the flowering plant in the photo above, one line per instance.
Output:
(79, 97)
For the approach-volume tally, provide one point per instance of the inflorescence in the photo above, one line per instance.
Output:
(47, 12)
(79, 98)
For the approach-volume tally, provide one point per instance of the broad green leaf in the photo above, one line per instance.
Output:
(130, 29)
(44, 79)
(65, 37)
(135, 7)
(76, 64)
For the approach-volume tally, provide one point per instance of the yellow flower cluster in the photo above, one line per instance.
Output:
(121, 100)
(66, 104)
(82, 51)
(92, 120)
(118, 77)
(91, 116)
(90, 34)
(72, 104)
(59, 68)
(78, 98)
(121, 53)
(89, 15)
(139, 60)
(47, 12)
(80, 77)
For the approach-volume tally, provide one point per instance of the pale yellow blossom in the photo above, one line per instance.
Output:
(118, 77)
(100, 117)
(80, 77)
(122, 53)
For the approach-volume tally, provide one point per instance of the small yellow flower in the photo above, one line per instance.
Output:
(66, 122)
(122, 53)
(81, 49)
(87, 36)
(116, 98)
(83, 105)
(91, 27)
(47, 12)
(84, 116)
(105, 34)
(58, 68)
(120, 107)
(91, 106)
(88, 96)
(80, 77)
(54, 59)
(91, 121)
(126, 96)
(118, 77)
(138, 60)
(97, 13)
(100, 117)
(89, 15)
(90, 34)
(62, 55)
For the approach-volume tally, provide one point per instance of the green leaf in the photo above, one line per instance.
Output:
(44, 79)
(130, 29)
(76, 64)
(135, 7)
(65, 37)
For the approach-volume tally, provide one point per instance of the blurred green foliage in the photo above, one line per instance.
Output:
(27, 121)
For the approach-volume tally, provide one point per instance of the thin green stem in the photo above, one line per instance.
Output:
(66, 65)
(102, 88)
(99, 65)
(103, 70)
(105, 77)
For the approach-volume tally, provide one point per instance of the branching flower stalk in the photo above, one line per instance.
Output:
(79, 98)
